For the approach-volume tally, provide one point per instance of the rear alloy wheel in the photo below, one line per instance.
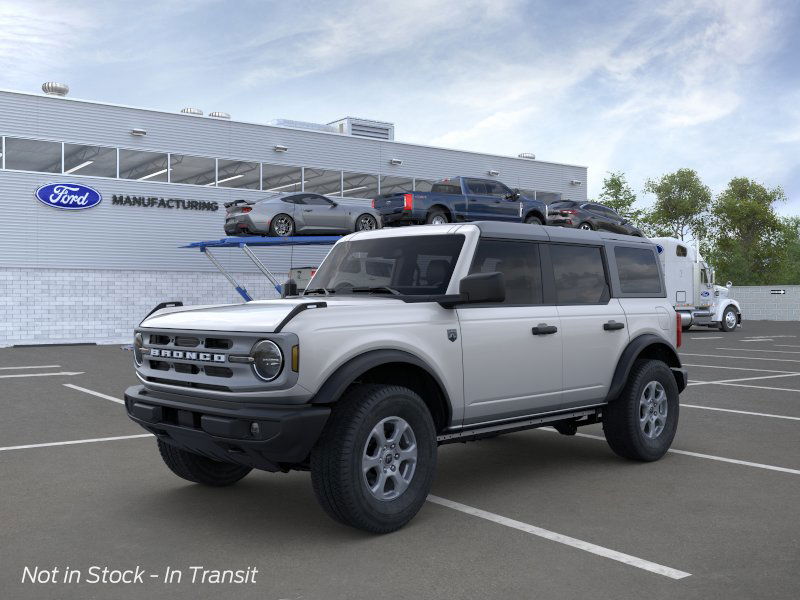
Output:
(729, 320)
(281, 226)
(585, 226)
(366, 223)
(640, 424)
(437, 217)
(533, 220)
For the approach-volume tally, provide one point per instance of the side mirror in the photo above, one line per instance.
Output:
(480, 288)
(334, 204)
(729, 285)
(289, 288)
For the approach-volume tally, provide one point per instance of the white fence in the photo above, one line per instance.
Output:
(768, 302)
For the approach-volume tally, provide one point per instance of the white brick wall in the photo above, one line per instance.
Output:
(758, 304)
(46, 306)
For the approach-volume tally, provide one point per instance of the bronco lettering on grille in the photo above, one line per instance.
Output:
(182, 354)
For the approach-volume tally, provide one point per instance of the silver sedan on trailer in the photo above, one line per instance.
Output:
(298, 213)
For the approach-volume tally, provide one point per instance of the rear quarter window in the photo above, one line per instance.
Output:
(638, 271)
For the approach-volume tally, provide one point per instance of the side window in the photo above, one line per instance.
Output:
(294, 199)
(519, 264)
(680, 250)
(476, 186)
(638, 271)
(579, 274)
(316, 200)
(495, 188)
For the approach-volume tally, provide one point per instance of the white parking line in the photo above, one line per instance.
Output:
(788, 345)
(741, 357)
(93, 393)
(761, 387)
(71, 442)
(41, 374)
(699, 455)
(759, 340)
(741, 379)
(754, 350)
(713, 337)
(738, 368)
(562, 539)
(31, 367)
(741, 412)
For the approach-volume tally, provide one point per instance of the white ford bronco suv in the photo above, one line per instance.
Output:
(407, 339)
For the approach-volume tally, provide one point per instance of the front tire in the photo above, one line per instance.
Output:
(281, 226)
(729, 320)
(586, 226)
(642, 422)
(374, 463)
(533, 220)
(199, 469)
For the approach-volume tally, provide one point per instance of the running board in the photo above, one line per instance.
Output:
(520, 425)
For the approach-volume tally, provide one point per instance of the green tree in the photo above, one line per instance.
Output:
(681, 205)
(617, 194)
(751, 243)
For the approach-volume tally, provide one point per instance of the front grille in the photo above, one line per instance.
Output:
(159, 340)
(218, 371)
(218, 343)
(187, 342)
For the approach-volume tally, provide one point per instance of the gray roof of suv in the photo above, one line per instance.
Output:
(526, 231)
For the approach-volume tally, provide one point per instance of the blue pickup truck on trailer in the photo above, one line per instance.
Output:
(459, 199)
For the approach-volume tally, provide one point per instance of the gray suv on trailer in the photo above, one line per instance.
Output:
(409, 338)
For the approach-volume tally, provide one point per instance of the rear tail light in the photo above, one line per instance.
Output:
(678, 330)
(373, 203)
(569, 212)
(408, 201)
(246, 209)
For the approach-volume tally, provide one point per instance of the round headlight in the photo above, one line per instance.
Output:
(138, 342)
(268, 360)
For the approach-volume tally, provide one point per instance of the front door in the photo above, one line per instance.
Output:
(511, 351)
(321, 214)
(594, 327)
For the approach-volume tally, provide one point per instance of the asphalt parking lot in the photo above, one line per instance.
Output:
(526, 515)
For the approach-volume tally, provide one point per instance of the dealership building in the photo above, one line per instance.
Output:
(162, 179)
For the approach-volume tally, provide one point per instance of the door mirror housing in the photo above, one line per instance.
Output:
(482, 288)
(334, 204)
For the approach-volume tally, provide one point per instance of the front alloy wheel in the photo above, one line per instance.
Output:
(585, 226)
(729, 320)
(390, 458)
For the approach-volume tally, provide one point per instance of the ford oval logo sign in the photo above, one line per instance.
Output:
(68, 196)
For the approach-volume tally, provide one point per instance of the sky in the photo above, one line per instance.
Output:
(639, 87)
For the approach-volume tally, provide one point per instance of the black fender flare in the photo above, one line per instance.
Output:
(347, 373)
(633, 350)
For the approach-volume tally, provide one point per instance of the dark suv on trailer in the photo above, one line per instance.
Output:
(589, 215)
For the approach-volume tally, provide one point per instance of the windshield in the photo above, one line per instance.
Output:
(407, 265)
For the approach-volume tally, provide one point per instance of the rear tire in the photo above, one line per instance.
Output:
(586, 226)
(199, 469)
(372, 429)
(281, 226)
(533, 220)
(641, 423)
(436, 216)
(729, 320)
(366, 222)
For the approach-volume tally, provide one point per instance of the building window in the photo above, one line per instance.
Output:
(33, 155)
(97, 161)
(423, 185)
(396, 185)
(144, 166)
(194, 170)
(359, 185)
(279, 178)
(321, 181)
(238, 174)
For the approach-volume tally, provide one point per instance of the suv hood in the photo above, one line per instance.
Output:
(261, 316)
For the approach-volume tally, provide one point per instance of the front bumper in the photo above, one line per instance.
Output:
(284, 436)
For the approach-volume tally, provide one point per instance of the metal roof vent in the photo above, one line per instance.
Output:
(219, 115)
(192, 111)
(377, 130)
(527, 155)
(51, 88)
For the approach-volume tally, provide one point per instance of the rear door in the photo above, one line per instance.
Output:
(593, 324)
(511, 351)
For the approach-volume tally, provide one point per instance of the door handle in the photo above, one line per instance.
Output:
(544, 329)
(308, 210)
(613, 326)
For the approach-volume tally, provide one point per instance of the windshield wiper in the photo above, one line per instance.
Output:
(326, 291)
(375, 290)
